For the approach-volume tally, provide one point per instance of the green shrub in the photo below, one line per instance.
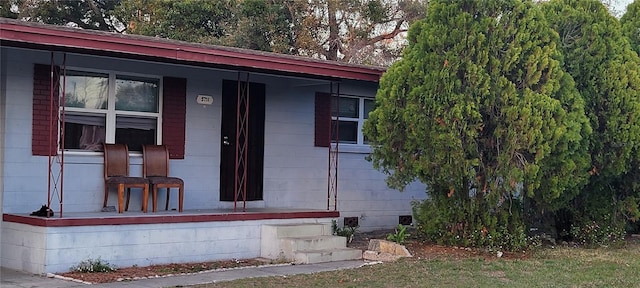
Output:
(347, 232)
(93, 266)
(471, 222)
(601, 215)
(400, 235)
(591, 233)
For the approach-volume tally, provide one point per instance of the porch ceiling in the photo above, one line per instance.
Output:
(58, 38)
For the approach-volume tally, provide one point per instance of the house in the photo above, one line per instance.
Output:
(249, 133)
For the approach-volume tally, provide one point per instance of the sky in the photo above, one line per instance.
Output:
(620, 5)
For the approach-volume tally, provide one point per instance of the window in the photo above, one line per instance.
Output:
(110, 108)
(349, 113)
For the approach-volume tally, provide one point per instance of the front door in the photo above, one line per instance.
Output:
(230, 160)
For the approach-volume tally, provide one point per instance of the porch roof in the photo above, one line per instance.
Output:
(32, 35)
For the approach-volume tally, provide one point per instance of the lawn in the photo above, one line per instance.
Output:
(547, 267)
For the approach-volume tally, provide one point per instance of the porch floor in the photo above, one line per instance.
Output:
(162, 216)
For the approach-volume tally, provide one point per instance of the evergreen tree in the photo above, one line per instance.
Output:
(631, 25)
(607, 74)
(476, 108)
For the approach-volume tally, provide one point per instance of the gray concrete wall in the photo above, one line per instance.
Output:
(56, 249)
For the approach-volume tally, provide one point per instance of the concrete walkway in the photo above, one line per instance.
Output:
(15, 279)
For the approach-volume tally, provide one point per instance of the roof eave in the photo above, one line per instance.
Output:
(162, 50)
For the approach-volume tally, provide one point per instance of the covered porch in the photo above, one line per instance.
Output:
(210, 104)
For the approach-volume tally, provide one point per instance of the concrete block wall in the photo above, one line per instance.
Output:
(23, 247)
(56, 249)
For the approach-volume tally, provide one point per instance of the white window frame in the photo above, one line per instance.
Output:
(359, 146)
(110, 112)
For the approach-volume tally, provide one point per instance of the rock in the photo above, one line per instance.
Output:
(379, 257)
(370, 255)
(383, 250)
(385, 246)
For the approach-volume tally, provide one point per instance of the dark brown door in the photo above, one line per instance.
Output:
(254, 140)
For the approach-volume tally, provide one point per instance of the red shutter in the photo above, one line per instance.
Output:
(174, 110)
(42, 143)
(322, 119)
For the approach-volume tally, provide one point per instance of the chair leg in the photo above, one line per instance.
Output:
(154, 198)
(120, 198)
(106, 195)
(180, 198)
(126, 206)
(145, 198)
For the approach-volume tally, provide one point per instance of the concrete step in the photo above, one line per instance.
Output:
(296, 230)
(327, 255)
(272, 245)
(292, 244)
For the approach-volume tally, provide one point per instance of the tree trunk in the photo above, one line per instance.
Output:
(334, 38)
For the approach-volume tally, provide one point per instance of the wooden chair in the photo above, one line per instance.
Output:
(116, 173)
(156, 169)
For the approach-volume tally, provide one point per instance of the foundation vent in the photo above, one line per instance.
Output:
(405, 220)
(351, 222)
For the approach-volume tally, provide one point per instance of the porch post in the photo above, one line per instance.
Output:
(242, 145)
(56, 121)
(332, 189)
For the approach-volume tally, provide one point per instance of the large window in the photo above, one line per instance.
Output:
(349, 113)
(110, 108)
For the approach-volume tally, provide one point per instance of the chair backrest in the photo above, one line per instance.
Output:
(116, 160)
(155, 161)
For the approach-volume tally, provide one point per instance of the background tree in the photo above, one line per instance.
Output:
(265, 25)
(7, 9)
(607, 74)
(356, 31)
(474, 109)
(86, 14)
(630, 22)
(186, 20)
